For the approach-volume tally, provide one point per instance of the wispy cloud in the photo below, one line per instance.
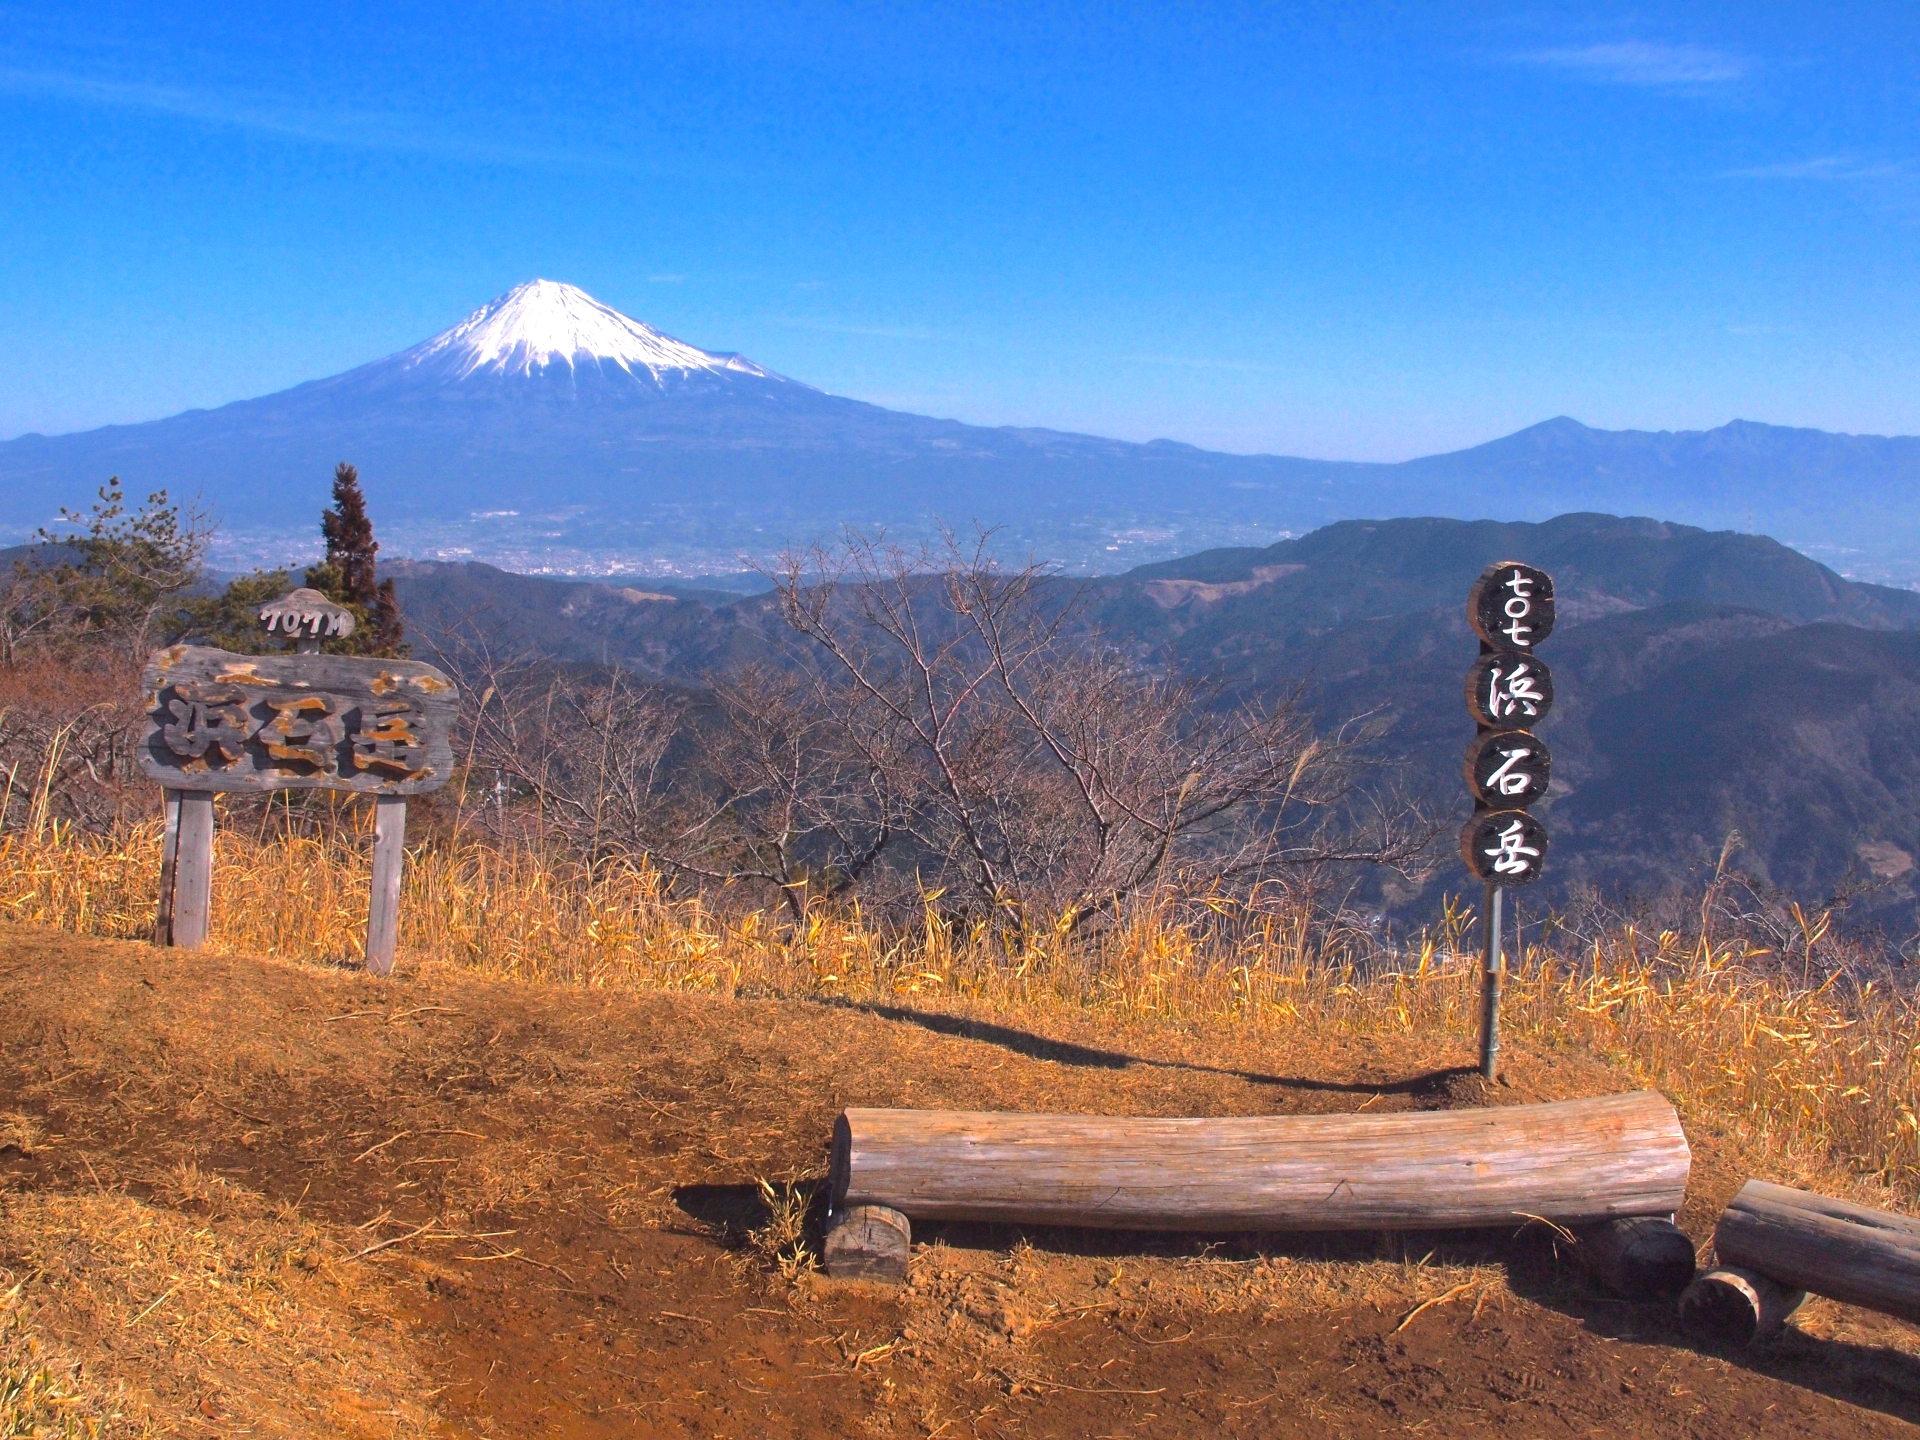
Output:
(1889, 186)
(880, 332)
(353, 129)
(1642, 62)
(1838, 168)
(665, 279)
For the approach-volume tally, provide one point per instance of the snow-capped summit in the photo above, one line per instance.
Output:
(543, 323)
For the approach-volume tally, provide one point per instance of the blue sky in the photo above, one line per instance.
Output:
(1368, 233)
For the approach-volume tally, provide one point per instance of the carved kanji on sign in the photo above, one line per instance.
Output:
(1508, 691)
(207, 718)
(388, 742)
(1507, 768)
(305, 731)
(219, 721)
(1504, 847)
(1511, 606)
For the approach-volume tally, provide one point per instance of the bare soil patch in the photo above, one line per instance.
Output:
(255, 1196)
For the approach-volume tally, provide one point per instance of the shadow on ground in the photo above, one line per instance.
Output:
(1442, 1084)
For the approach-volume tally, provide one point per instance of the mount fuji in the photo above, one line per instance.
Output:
(550, 431)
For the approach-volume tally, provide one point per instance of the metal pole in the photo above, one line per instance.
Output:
(1490, 973)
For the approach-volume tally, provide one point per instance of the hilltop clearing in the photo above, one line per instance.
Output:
(246, 1194)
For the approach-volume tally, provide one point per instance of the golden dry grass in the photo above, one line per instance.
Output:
(1822, 1077)
(184, 1319)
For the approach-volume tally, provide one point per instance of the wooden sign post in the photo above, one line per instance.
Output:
(219, 721)
(1507, 768)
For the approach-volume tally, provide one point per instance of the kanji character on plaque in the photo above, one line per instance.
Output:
(305, 729)
(1508, 690)
(1507, 769)
(208, 718)
(387, 741)
(1511, 605)
(1504, 847)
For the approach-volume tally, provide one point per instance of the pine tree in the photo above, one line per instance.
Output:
(347, 573)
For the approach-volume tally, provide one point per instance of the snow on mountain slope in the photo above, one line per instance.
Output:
(594, 432)
(544, 322)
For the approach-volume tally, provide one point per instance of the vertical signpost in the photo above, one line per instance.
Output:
(219, 721)
(1509, 692)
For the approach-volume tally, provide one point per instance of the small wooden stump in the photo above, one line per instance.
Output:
(1729, 1306)
(869, 1242)
(1643, 1257)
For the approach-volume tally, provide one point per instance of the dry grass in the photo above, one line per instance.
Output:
(43, 1395)
(1821, 1075)
(229, 1315)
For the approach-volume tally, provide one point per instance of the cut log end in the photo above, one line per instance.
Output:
(1727, 1306)
(1642, 1257)
(1847, 1252)
(869, 1242)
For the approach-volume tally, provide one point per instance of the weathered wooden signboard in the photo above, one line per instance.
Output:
(1509, 691)
(219, 721)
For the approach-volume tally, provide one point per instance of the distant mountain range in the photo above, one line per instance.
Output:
(1708, 682)
(548, 431)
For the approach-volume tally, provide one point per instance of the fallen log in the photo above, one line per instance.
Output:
(1731, 1306)
(1803, 1241)
(1576, 1161)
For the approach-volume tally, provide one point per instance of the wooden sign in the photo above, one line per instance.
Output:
(307, 617)
(219, 721)
(1507, 689)
(1508, 692)
(1507, 769)
(1511, 606)
(1504, 848)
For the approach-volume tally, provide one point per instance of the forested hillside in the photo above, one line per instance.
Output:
(1710, 682)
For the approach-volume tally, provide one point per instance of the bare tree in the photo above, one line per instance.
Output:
(1050, 777)
(68, 737)
(590, 753)
(754, 782)
(31, 609)
(812, 794)
(940, 724)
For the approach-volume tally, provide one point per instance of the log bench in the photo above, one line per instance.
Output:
(1577, 1163)
(1775, 1244)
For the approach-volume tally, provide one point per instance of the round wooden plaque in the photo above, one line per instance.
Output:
(1511, 605)
(1507, 769)
(1509, 691)
(1504, 847)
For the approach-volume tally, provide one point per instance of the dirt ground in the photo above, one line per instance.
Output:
(253, 1197)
